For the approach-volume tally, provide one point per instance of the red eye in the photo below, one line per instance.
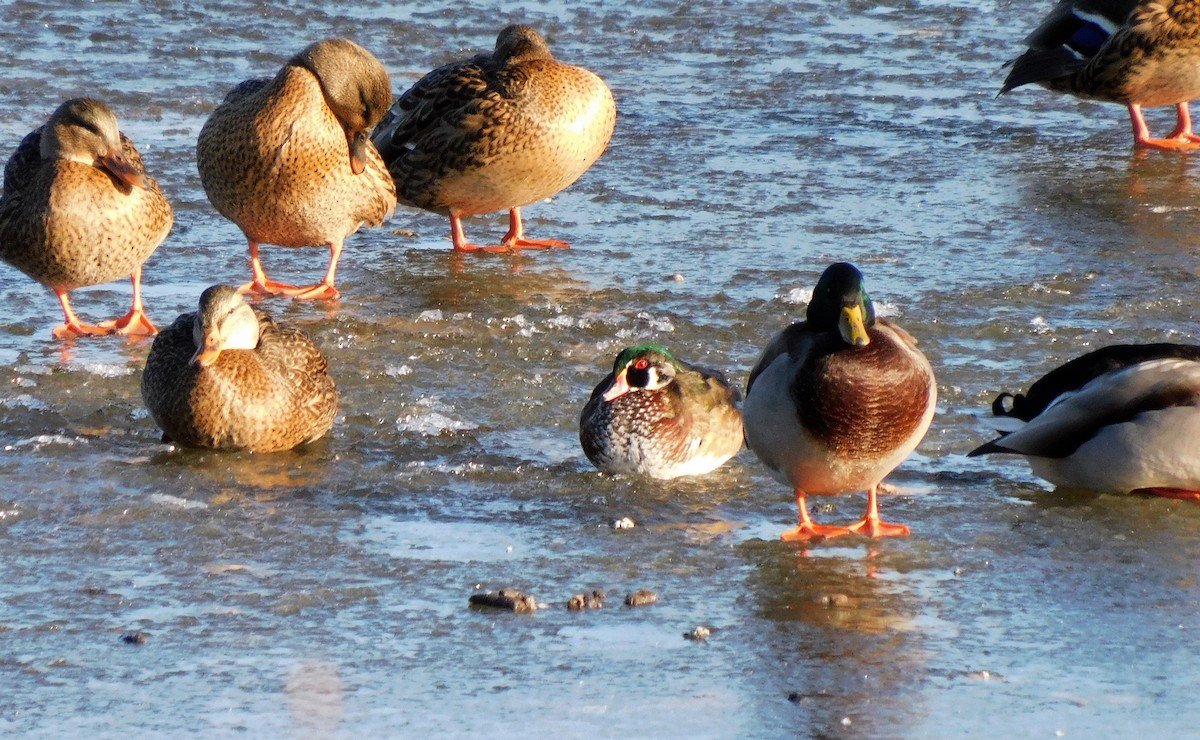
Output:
(641, 364)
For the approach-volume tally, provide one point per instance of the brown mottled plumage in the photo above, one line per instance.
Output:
(836, 402)
(1135, 52)
(655, 415)
(288, 159)
(229, 377)
(498, 131)
(78, 209)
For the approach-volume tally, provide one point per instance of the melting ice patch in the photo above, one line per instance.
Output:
(434, 420)
(103, 369)
(45, 440)
(397, 371)
(175, 502)
(24, 401)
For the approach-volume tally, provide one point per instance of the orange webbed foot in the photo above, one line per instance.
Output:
(523, 243)
(76, 329)
(1181, 494)
(870, 527)
(1186, 144)
(318, 292)
(132, 324)
(464, 247)
(813, 533)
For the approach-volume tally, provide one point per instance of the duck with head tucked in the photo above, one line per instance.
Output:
(1121, 419)
(498, 131)
(1134, 52)
(228, 377)
(658, 416)
(78, 209)
(837, 401)
(289, 160)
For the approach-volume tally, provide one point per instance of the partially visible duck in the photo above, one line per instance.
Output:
(1123, 418)
(655, 415)
(837, 401)
(1134, 52)
(289, 159)
(78, 209)
(228, 377)
(498, 131)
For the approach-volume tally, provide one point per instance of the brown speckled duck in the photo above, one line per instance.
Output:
(1134, 52)
(496, 132)
(289, 160)
(655, 415)
(78, 209)
(838, 401)
(228, 377)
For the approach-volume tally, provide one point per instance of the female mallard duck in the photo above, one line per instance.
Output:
(838, 401)
(661, 417)
(496, 132)
(289, 161)
(78, 209)
(1135, 52)
(1120, 419)
(228, 377)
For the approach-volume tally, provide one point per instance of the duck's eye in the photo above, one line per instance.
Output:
(641, 364)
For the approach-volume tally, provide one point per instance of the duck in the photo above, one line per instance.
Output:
(837, 401)
(497, 131)
(1120, 419)
(228, 377)
(1139, 53)
(289, 159)
(657, 416)
(78, 209)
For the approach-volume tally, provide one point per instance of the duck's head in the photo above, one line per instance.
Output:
(646, 367)
(517, 44)
(356, 88)
(224, 321)
(840, 302)
(85, 130)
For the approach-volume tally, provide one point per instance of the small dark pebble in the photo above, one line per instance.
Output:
(513, 601)
(136, 637)
(643, 597)
(595, 600)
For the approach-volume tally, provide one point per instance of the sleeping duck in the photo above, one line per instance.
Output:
(496, 132)
(658, 416)
(228, 377)
(1120, 419)
(1135, 52)
(837, 401)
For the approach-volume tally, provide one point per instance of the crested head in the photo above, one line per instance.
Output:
(518, 43)
(354, 81)
(647, 351)
(839, 300)
(647, 367)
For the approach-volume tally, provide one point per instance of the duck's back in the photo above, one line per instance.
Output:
(68, 225)
(476, 137)
(271, 398)
(274, 159)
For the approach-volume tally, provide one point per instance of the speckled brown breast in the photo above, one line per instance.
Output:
(861, 402)
(274, 159)
(271, 398)
(69, 225)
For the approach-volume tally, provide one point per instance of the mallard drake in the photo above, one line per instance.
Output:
(1120, 419)
(78, 209)
(1135, 52)
(289, 160)
(658, 416)
(836, 402)
(496, 132)
(228, 377)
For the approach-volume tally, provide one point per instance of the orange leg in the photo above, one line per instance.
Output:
(1177, 493)
(807, 529)
(1183, 124)
(515, 238)
(135, 323)
(261, 284)
(870, 525)
(1141, 133)
(74, 327)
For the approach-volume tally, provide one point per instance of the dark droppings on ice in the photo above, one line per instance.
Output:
(594, 600)
(136, 637)
(509, 599)
(643, 597)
